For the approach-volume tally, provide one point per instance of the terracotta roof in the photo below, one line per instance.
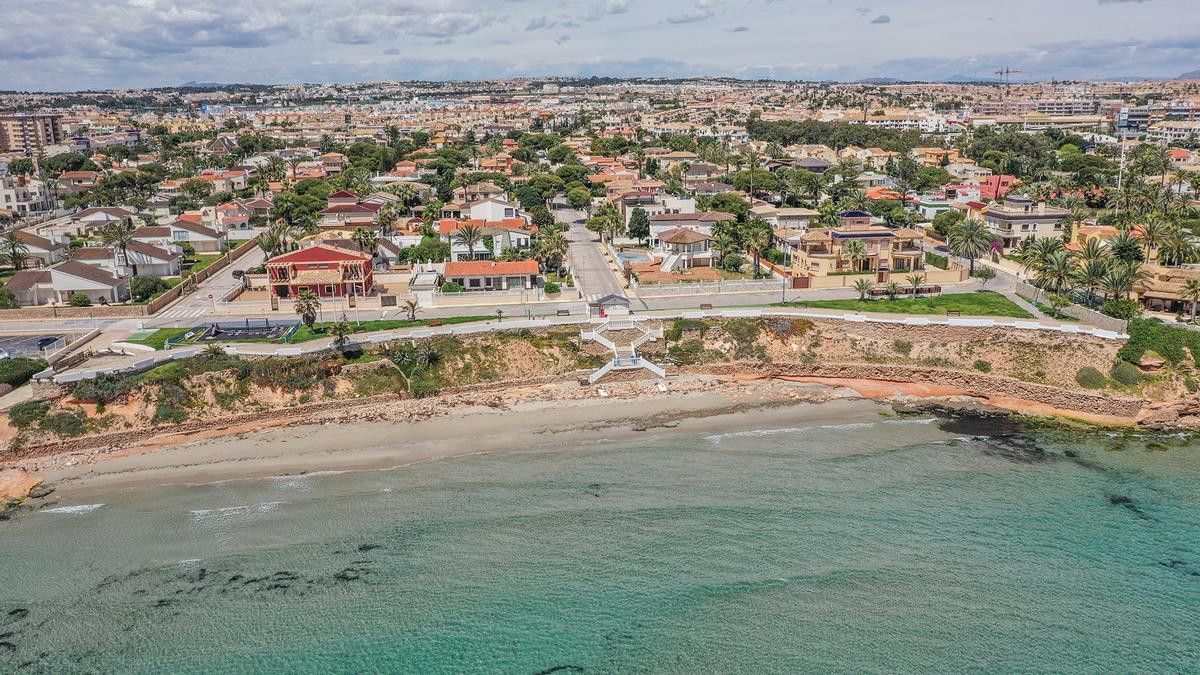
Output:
(707, 216)
(682, 235)
(330, 276)
(319, 253)
(92, 253)
(39, 242)
(26, 279)
(478, 268)
(152, 231)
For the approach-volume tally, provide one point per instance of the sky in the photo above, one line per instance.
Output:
(60, 45)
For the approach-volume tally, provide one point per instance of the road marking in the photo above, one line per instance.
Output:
(181, 313)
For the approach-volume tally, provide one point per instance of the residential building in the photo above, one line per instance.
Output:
(823, 252)
(700, 222)
(324, 270)
(1018, 217)
(491, 275)
(41, 251)
(203, 239)
(27, 133)
(56, 284)
(510, 232)
(22, 196)
(684, 248)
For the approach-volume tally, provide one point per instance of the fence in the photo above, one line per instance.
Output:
(710, 287)
(1077, 311)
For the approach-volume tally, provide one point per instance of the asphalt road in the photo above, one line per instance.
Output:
(200, 302)
(592, 274)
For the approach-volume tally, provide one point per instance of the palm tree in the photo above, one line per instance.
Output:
(470, 236)
(893, 289)
(307, 305)
(828, 211)
(367, 240)
(550, 248)
(422, 358)
(970, 240)
(385, 220)
(915, 281)
(1191, 293)
(1178, 246)
(1152, 234)
(119, 233)
(1125, 247)
(864, 288)
(411, 306)
(752, 156)
(1057, 272)
(758, 238)
(1121, 279)
(16, 250)
(341, 334)
(1091, 274)
(1091, 250)
(854, 251)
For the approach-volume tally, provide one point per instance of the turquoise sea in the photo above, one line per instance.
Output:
(887, 546)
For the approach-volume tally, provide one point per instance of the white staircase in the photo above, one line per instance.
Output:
(669, 263)
(624, 356)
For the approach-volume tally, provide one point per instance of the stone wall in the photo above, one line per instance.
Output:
(976, 384)
(1077, 311)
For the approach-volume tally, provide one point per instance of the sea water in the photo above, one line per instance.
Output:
(898, 546)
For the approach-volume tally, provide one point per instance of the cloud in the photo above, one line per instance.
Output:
(603, 8)
(562, 39)
(703, 10)
(882, 18)
(539, 23)
(737, 29)
(391, 51)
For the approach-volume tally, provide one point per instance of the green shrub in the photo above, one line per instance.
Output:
(774, 256)
(8, 299)
(1090, 378)
(732, 262)
(451, 287)
(983, 366)
(688, 352)
(1169, 342)
(675, 332)
(935, 260)
(1122, 309)
(65, 424)
(902, 347)
(144, 288)
(103, 388)
(1126, 373)
(27, 413)
(79, 300)
(1191, 385)
(18, 371)
(551, 287)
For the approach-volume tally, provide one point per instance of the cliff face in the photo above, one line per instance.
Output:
(213, 390)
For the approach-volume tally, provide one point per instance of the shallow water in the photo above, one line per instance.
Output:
(890, 546)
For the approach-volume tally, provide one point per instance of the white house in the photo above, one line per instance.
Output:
(58, 283)
(42, 251)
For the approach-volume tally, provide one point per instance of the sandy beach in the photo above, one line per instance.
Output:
(522, 426)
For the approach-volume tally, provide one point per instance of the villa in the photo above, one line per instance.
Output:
(324, 270)
(684, 248)
(825, 252)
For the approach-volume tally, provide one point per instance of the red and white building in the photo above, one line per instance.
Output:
(492, 275)
(325, 270)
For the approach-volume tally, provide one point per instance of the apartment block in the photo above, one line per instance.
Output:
(26, 133)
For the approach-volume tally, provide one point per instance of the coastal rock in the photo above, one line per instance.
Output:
(957, 406)
(1151, 362)
(40, 491)
(16, 483)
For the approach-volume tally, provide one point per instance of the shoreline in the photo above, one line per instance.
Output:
(373, 435)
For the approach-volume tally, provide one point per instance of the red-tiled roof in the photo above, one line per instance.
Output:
(319, 253)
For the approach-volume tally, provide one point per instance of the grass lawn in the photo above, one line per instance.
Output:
(980, 303)
(304, 333)
(5, 275)
(1048, 310)
(158, 339)
(202, 260)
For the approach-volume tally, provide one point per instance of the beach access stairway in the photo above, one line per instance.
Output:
(623, 336)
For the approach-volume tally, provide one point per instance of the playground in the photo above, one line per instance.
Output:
(250, 330)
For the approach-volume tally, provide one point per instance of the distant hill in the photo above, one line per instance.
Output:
(969, 78)
(879, 80)
(1192, 75)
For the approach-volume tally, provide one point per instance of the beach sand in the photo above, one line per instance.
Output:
(526, 425)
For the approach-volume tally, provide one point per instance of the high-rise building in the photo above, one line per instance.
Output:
(26, 133)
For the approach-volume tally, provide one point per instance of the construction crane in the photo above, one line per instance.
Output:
(1005, 74)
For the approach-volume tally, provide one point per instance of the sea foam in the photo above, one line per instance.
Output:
(78, 510)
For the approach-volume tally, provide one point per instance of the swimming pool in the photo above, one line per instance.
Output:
(634, 256)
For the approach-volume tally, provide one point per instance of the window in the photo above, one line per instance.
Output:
(329, 290)
(473, 283)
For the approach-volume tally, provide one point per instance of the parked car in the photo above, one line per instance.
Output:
(3, 355)
(44, 342)
(238, 274)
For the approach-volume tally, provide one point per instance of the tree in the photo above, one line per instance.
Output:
(758, 239)
(1058, 272)
(144, 288)
(639, 225)
(366, 240)
(16, 251)
(893, 289)
(1191, 293)
(411, 306)
(550, 248)
(79, 300)
(579, 198)
(945, 222)
(971, 241)
(855, 252)
(864, 288)
(916, 280)
(1152, 234)
(984, 275)
(119, 233)
(542, 218)
(470, 236)
(307, 305)
(341, 334)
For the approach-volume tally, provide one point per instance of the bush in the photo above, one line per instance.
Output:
(17, 371)
(103, 388)
(451, 287)
(732, 262)
(1191, 385)
(27, 413)
(1169, 342)
(938, 261)
(144, 288)
(1090, 378)
(774, 256)
(8, 299)
(983, 366)
(551, 287)
(79, 300)
(65, 424)
(902, 347)
(1122, 309)
(1126, 373)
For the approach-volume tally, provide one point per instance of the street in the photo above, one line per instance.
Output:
(593, 277)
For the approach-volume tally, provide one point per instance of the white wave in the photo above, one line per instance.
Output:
(224, 512)
(716, 438)
(79, 510)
